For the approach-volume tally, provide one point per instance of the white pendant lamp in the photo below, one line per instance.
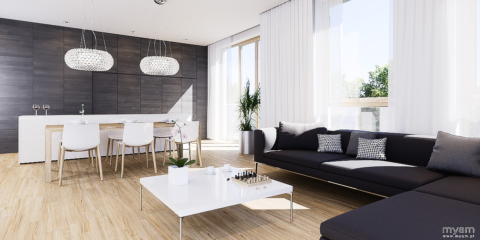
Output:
(160, 65)
(86, 59)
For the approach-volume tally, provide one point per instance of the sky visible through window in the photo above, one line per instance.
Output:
(364, 29)
(248, 66)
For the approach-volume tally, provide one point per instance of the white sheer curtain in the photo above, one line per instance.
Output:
(327, 61)
(218, 73)
(433, 79)
(286, 64)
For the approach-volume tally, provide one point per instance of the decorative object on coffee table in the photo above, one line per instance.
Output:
(185, 133)
(178, 171)
(178, 130)
(251, 179)
(248, 105)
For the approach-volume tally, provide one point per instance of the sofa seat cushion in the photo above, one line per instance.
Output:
(392, 174)
(410, 215)
(466, 189)
(306, 158)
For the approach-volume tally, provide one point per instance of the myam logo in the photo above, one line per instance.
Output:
(456, 232)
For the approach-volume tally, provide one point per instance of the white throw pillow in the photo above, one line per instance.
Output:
(298, 128)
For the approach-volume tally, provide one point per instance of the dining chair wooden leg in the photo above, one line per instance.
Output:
(153, 156)
(154, 141)
(61, 166)
(189, 151)
(138, 150)
(116, 161)
(146, 154)
(59, 152)
(123, 159)
(90, 157)
(111, 152)
(99, 160)
(96, 158)
(170, 143)
(133, 153)
(199, 153)
(165, 152)
(108, 148)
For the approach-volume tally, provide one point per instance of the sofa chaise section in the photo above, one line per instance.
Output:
(411, 215)
(398, 175)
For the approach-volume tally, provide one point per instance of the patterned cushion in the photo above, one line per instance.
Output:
(372, 148)
(330, 143)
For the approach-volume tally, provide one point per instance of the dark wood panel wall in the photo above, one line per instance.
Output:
(32, 70)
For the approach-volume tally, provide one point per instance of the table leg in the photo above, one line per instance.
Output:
(291, 207)
(181, 228)
(48, 156)
(199, 143)
(140, 197)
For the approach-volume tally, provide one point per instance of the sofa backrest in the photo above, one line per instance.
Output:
(408, 150)
(345, 137)
(400, 147)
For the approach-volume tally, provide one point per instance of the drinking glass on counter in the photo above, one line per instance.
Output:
(36, 107)
(46, 107)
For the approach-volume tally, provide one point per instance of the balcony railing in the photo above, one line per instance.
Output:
(365, 102)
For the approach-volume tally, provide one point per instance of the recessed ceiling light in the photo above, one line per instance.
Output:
(132, 31)
(66, 22)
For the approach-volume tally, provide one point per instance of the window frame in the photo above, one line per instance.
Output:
(255, 40)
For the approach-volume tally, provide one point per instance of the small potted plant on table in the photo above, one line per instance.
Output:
(177, 169)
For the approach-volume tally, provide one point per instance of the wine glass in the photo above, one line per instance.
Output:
(46, 107)
(36, 107)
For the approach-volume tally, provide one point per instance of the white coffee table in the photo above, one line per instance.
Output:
(209, 192)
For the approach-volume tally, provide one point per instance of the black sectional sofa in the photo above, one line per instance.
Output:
(422, 204)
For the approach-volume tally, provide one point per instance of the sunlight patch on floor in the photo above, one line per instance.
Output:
(273, 204)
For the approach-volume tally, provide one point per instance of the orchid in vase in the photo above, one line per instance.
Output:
(181, 162)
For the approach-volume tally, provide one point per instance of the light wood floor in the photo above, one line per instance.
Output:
(87, 208)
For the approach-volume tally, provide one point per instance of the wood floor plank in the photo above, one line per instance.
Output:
(85, 207)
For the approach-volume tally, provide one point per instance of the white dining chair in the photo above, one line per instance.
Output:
(136, 135)
(117, 136)
(90, 152)
(189, 135)
(163, 133)
(81, 138)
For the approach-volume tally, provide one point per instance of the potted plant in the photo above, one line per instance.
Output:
(248, 105)
(178, 170)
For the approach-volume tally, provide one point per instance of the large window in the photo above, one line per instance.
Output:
(362, 58)
(243, 67)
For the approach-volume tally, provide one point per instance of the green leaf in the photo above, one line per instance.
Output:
(190, 163)
(169, 163)
(248, 105)
(173, 160)
(181, 162)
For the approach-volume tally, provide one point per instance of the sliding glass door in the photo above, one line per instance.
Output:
(243, 67)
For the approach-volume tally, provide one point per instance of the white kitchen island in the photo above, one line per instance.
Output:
(31, 133)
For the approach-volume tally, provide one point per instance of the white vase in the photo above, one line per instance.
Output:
(177, 176)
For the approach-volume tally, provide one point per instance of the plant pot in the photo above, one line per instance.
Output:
(177, 176)
(246, 142)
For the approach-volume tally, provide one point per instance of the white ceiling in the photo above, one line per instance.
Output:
(200, 21)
